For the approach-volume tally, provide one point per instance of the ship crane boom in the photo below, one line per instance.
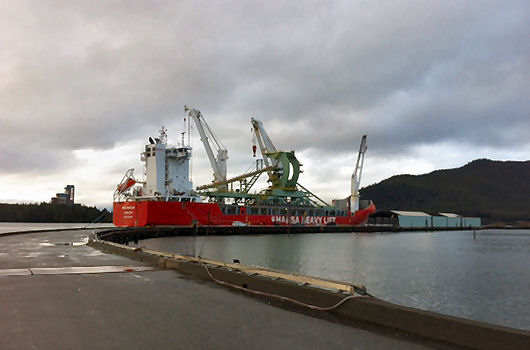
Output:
(265, 144)
(356, 176)
(218, 163)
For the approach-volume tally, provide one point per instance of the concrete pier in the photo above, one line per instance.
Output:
(123, 307)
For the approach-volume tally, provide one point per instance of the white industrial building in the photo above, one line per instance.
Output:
(418, 219)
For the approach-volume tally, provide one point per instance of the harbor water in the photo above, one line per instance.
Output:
(486, 278)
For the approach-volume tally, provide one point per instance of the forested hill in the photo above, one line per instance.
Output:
(493, 190)
(46, 212)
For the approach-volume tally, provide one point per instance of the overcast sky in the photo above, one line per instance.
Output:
(83, 84)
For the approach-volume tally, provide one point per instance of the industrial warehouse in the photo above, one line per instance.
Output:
(400, 219)
(65, 198)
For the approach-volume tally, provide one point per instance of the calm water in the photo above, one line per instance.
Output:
(30, 226)
(487, 279)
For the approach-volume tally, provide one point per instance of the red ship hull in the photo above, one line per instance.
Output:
(147, 213)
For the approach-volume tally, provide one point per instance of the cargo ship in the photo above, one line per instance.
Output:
(166, 195)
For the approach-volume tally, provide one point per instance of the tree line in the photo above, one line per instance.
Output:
(47, 212)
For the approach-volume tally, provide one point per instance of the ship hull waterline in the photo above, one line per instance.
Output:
(163, 213)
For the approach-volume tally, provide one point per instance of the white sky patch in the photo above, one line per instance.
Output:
(99, 171)
(330, 177)
(95, 174)
(447, 155)
(29, 189)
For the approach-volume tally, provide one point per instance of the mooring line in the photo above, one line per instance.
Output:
(280, 297)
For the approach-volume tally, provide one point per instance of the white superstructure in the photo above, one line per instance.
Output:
(166, 173)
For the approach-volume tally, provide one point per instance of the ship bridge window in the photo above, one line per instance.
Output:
(310, 212)
(332, 213)
(275, 211)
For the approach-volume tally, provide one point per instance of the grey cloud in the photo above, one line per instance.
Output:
(20, 158)
(91, 74)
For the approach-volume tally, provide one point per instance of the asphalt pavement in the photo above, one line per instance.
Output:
(112, 305)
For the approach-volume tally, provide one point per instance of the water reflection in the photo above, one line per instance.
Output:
(486, 279)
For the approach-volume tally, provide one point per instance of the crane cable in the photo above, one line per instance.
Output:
(280, 297)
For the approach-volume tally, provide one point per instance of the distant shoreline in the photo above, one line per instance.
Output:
(52, 213)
